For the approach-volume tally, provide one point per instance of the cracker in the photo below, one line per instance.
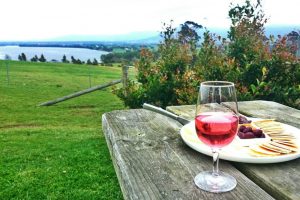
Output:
(283, 138)
(261, 150)
(283, 146)
(258, 154)
(271, 147)
(291, 143)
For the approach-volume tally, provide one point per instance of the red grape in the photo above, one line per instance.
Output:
(257, 133)
(243, 120)
(247, 132)
(247, 129)
(249, 135)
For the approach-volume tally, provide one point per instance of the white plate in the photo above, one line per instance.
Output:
(236, 151)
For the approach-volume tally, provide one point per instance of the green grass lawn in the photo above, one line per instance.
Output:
(55, 152)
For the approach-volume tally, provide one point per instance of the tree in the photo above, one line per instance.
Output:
(107, 58)
(88, 62)
(78, 61)
(261, 67)
(23, 57)
(95, 62)
(42, 58)
(64, 59)
(34, 59)
(73, 60)
(293, 41)
(189, 37)
(263, 72)
(247, 34)
(7, 57)
(188, 33)
(161, 81)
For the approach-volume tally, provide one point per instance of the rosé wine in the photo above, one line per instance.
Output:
(216, 129)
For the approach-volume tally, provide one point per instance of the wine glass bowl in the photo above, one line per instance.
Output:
(216, 124)
(216, 129)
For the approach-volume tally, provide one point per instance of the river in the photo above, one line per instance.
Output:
(51, 53)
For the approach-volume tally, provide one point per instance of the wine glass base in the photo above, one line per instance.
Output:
(215, 183)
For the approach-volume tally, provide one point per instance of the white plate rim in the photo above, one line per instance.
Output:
(230, 152)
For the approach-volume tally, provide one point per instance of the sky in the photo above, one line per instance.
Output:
(48, 19)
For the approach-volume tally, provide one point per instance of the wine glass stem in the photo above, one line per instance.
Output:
(215, 162)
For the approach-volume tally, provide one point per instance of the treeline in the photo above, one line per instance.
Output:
(23, 57)
(127, 57)
(78, 61)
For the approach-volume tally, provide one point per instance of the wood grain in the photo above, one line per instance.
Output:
(152, 162)
(281, 180)
(269, 109)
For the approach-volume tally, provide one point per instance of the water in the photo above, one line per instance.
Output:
(51, 53)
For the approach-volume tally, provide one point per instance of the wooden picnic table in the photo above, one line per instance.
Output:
(152, 161)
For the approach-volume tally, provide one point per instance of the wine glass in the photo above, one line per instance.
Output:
(216, 124)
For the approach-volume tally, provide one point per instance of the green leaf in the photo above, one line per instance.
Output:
(262, 84)
(253, 88)
(264, 71)
(257, 81)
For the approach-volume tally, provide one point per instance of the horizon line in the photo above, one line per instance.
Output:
(64, 38)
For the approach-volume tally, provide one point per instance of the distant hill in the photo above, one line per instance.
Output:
(134, 37)
(152, 37)
(281, 30)
(269, 30)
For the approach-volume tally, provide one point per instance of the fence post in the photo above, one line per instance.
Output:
(7, 72)
(125, 79)
(90, 79)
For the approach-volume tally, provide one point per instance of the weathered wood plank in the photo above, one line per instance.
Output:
(186, 111)
(269, 109)
(152, 162)
(260, 109)
(281, 180)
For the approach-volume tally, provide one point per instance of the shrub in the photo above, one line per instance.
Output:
(261, 67)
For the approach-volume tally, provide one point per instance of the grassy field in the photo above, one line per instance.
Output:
(56, 152)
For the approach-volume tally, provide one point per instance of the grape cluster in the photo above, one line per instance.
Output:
(249, 133)
(244, 120)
